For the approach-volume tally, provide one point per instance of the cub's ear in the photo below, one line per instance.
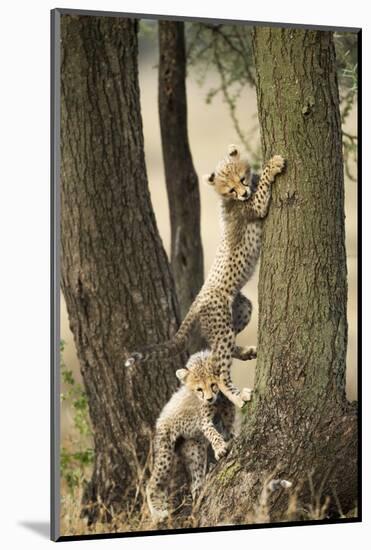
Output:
(209, 179)
(233, 152)
(182, 374)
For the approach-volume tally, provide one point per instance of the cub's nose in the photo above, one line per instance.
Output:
(245, 195)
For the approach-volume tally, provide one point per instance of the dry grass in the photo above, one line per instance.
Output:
(137, 518)
(131, 519)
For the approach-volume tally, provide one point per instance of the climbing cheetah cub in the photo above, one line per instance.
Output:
(187, 421)
(220, 308)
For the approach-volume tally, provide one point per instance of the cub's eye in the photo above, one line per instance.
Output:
(199, 389)
(214, 388)
(231, 190)
(243, 181)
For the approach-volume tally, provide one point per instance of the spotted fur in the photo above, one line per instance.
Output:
(220, 308)
(189, 417)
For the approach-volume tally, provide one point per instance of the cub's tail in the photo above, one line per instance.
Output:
(169, 348)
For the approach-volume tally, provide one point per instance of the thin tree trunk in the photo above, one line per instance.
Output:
(299, 426)
(115, 275)
(181, 178)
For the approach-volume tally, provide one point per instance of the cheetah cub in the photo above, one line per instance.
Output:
(220, 308)
(187, 422)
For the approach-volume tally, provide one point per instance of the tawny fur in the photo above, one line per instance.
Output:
(220, 308)
(189, 417)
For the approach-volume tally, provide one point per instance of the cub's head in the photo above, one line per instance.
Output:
(232, 177)
(198, 376)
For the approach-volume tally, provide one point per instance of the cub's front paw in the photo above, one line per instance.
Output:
(239, 402)
(221, 451)
(248, 353)
(277, 164)
(246, 394)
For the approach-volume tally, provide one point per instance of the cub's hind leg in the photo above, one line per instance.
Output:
(222, 352)
(156, 490)
(241, 312)
(194, 454)
(241, 315)
(217, 327)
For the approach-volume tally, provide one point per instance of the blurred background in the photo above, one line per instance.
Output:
(211, 129)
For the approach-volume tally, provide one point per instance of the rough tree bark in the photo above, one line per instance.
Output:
(299, 425)
(181, 178)
(115, 275)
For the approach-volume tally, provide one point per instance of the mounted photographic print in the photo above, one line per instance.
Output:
(205, 371)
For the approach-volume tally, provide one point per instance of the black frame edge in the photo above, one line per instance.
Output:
(130, 534)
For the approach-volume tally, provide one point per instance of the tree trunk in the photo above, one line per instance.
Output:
(115, 275)
(181, 178)
(299, 426)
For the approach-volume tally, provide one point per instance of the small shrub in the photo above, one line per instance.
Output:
(76, 458)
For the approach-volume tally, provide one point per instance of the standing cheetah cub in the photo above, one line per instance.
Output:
(188, 421)
(220, 308)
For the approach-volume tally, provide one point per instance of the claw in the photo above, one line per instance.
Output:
(221, 452)
(246, 394)
(278, 163)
